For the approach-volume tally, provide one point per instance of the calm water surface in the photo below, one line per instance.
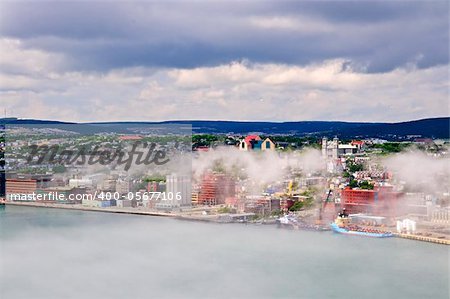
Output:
(50, 253)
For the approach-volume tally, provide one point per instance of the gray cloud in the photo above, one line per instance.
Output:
(369, 61)
(104, 35)
(331, 90)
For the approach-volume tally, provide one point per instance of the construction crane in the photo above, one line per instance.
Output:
(290, 185)
(324, 204)
(286, 197)
(288, 192)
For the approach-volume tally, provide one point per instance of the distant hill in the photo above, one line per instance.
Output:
(429, 128)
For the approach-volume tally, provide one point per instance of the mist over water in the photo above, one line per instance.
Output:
(50, 253)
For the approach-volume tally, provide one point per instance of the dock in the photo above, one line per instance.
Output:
(133, 211)
(423, 238)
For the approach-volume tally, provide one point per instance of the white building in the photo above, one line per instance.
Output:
(333, 150)
(330, 148)
(80, 183)
(178, 192)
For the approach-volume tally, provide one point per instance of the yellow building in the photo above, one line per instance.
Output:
(255, 143)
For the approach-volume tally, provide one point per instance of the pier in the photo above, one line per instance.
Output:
(133, 211)
(424, 238)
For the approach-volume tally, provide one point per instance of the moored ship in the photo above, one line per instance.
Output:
(290, 222)
(342, 225)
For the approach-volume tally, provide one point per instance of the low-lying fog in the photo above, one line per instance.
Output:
(50, 253)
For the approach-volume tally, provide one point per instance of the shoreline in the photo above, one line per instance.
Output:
(423, 238)
(134, 211)
(91, 209)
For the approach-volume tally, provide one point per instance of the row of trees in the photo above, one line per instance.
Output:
(362, 185)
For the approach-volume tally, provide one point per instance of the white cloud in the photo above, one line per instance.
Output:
(17, 59)
(301, 24)
(330, 90)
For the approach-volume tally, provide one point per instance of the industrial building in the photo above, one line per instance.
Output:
(20, 186)
(440, 216)
(176, 185)
(382, 200)
(26, 184)
(215, 188)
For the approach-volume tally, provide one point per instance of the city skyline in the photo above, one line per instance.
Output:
(343, 61)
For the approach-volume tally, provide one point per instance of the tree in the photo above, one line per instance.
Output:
(392, 147)
(59, 169)
(218, 166)
(155, 178)
(296, 206)
(353, 184)
(366, 185)
(353, 167)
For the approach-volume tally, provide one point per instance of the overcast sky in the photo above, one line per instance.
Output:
(246, 60)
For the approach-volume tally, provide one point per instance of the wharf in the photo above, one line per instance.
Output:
(92, 209)
(423, 238)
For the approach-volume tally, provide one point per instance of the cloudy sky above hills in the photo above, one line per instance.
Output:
(246, 60)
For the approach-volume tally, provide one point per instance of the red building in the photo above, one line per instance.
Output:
(201, 149)
(21, 186)
(358, 143)
(381, 201)
(215, 188)
(130, 137)
(156, 186)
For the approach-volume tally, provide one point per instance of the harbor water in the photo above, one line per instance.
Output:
(54, 253)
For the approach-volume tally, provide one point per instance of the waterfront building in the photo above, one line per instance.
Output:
(124, 203)
(441, 216)
(20, 186)
(215, 188)
(178, 192)
(26, 184)
(382, 200)
(96, 203)
(61, 195)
